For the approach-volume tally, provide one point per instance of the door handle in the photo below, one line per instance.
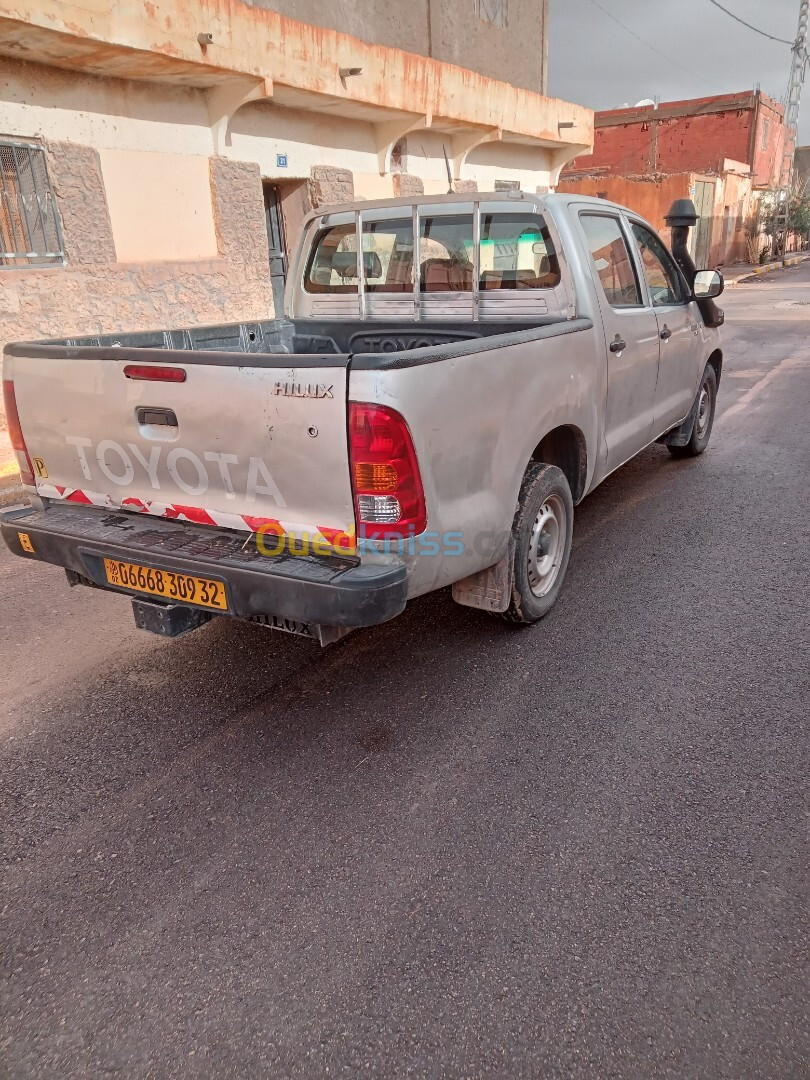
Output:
(617, 345)
(154, 416)
(666, 333)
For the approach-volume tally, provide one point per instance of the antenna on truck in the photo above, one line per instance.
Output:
(449, 173)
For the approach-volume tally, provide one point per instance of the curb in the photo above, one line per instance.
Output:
(767, 268)
(770, 267)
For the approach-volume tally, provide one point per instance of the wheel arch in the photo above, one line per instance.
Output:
(565, 447)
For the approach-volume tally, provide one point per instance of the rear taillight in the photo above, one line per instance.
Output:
(388, 496)
(16, 435)
(152, 373)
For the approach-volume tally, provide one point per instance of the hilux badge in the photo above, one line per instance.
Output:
(303, 390)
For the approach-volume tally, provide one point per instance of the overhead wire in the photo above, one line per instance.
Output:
(782, 41)
(643, 41)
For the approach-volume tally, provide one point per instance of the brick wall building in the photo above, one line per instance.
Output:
(721, 151)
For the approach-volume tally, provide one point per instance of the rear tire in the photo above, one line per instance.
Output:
(542, 532)
(704, 417)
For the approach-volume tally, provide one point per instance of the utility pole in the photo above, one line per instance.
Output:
(798, 69)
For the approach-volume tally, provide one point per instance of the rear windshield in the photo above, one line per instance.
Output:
(515, 252)
(333, 263)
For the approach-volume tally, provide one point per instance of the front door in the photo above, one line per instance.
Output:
(275, 240)
(679, 323)
(631, 339)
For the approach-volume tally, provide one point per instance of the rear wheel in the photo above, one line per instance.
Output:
(704, 417)
(542, 532)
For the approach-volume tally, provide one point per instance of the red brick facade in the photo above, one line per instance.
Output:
(689, 136)
(724, 149)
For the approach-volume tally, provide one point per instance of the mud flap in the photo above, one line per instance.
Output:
(681, 436)
(490, 589)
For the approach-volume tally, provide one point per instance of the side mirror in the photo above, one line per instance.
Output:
(708, 284)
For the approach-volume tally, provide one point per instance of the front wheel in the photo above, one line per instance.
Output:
(542, 532)
(704, 417)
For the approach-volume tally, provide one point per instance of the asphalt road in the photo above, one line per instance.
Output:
(444, 847)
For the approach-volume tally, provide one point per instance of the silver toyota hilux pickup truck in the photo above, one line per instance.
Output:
(451, 377)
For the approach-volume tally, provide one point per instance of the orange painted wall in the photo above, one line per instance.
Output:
(653, 198)
(649, 198)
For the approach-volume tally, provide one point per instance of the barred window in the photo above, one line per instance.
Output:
(30, 231)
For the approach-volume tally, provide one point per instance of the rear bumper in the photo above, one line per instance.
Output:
(332, 591)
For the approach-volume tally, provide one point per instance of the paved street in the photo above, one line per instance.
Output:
(444, 847)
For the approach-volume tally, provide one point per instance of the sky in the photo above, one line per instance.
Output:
(701, 51)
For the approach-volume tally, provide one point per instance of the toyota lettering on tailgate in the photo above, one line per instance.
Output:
(189, 471)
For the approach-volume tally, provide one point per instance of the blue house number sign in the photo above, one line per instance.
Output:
(281, 161)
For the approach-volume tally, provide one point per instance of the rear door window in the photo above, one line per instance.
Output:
(611, 259)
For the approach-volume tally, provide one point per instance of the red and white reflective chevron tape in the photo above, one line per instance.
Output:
(266, 527)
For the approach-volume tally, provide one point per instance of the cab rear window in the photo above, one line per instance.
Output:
(333, 266)
(515, 252)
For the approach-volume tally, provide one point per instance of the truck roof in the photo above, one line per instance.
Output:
(461, 197)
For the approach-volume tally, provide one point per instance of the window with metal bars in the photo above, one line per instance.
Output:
(30, 230)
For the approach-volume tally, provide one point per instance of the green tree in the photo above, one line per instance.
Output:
(798, 215)
(799, 219)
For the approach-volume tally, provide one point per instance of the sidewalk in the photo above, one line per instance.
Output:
(740, 271)
(10, 490)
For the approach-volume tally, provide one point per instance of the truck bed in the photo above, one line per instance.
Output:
(292, 337)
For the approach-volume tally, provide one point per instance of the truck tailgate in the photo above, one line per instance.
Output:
(242, 442)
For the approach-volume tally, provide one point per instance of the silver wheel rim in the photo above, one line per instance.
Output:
(547, 546)
(704, 410)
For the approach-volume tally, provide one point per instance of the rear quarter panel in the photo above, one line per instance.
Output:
(476, 412)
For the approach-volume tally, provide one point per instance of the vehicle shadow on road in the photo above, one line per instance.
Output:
(152, 710)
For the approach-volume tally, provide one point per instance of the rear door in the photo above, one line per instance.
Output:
(631, 338)
(679, 322)
(239, 441)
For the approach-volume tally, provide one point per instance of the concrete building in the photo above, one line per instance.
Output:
(157, 158)
(722, 152)
(496, 38)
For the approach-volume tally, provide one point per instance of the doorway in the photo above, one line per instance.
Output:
(277, 246)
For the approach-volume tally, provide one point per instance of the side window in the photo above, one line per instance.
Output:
(517, 252)
(662, 274)
(611, 259)
(446, 253)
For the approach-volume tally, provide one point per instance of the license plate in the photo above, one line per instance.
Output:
(182, 588)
